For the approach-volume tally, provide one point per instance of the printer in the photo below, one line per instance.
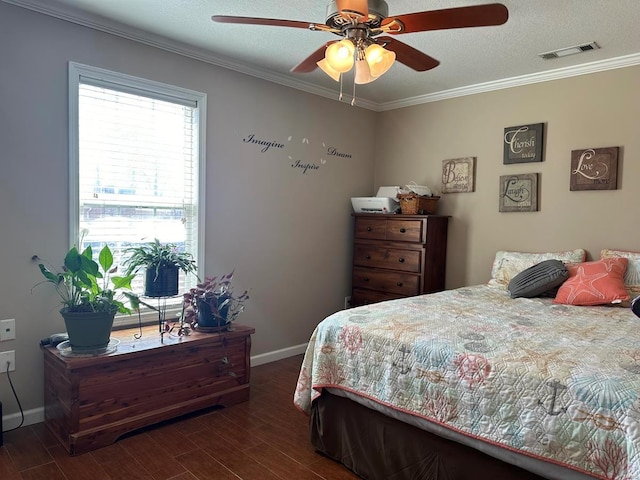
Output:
(385, 201)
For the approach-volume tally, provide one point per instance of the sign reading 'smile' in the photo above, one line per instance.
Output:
(523, 143)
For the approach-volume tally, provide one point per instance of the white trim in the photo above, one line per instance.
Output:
(278, 355)
(36, 415)
(560, 73)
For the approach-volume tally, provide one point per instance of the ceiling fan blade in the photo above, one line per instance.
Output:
(408, 55)
(358, 9)
(459, 17)
(262, 21)
(309, 64)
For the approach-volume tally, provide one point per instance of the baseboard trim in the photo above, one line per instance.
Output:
(278, 355)
(36, 415)
(11, 421)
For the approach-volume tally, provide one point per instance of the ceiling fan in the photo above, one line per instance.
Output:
(365, 24)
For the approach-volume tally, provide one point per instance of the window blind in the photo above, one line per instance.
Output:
(137, 169)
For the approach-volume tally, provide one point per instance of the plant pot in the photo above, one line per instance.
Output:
(88, 331)
(206, 317)
(165, 284)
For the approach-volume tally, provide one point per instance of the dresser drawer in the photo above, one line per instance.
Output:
(366, 255)
(372, 228)
(404, 284)
(405, 230)
(360, 296)
(401, 230)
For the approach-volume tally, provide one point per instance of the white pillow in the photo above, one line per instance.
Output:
(632, 275)
(507, 264)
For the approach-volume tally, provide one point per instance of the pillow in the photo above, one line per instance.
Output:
(538, 279)
(594, 283)
(632, 276)
(507, 265)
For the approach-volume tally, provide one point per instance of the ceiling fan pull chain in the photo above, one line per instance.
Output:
(353, 99)
(340, 97)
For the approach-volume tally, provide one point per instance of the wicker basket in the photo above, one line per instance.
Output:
(413, 204)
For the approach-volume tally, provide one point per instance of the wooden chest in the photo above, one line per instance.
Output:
(91, 401)
(397, 256)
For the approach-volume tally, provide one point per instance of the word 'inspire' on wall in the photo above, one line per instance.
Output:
(304, 166)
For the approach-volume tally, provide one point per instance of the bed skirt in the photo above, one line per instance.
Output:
(377, 447)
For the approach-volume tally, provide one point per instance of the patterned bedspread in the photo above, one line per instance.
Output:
(556, 382)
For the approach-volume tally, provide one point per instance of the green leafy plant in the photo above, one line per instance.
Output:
(217, 294)
(85, 285)
(155, 255)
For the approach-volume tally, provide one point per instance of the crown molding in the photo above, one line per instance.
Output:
(147, 38)
(557, 74)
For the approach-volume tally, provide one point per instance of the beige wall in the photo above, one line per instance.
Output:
(597, 110)
(286, 234)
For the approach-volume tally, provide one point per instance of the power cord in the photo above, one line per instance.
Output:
(17, 400)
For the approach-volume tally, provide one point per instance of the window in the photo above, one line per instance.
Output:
(136, 164)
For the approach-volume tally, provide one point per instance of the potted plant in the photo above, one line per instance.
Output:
(90, 297)
(162, 263)
(212, 304)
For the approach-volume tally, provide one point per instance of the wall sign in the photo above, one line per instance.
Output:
(307, 163)
(458, 175)
(594, 169)
(523, 143)
(519, 193)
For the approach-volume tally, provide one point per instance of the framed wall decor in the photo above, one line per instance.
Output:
(458, 175)
(594, 169)
(523, 143)
(519, 193)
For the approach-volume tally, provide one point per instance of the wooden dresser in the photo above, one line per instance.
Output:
(91, 401)
(397, 256)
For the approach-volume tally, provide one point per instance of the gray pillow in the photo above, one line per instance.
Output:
(538, 279)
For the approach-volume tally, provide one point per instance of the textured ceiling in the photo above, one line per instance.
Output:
(470, 59)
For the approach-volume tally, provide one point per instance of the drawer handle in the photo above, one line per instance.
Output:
(399, 284)
(403, 230)
(368, 257)
(366, 279)
(368, 229)
(401, 260)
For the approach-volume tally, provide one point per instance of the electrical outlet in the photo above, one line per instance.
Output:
(5, 357)
(347, 302)
(7, 329)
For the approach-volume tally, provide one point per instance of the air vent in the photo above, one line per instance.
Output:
(563, 52)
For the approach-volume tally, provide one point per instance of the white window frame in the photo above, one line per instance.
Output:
(79, 73)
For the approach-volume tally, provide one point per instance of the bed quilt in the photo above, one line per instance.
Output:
(556, 382)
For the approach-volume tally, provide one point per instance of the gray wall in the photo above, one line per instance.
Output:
(591, 111)
(286, 234)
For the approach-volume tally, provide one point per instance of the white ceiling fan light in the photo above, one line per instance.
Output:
(339, 55)
(379, 59)
(363, 73)
(326, 68)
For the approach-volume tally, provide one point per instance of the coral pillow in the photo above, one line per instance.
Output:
(594, 283)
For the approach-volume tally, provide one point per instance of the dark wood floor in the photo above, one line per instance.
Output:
(263, 439)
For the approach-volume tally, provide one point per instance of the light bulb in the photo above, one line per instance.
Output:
(379, 59)
(340, 55)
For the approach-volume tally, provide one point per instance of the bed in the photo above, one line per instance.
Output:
(471, 383)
